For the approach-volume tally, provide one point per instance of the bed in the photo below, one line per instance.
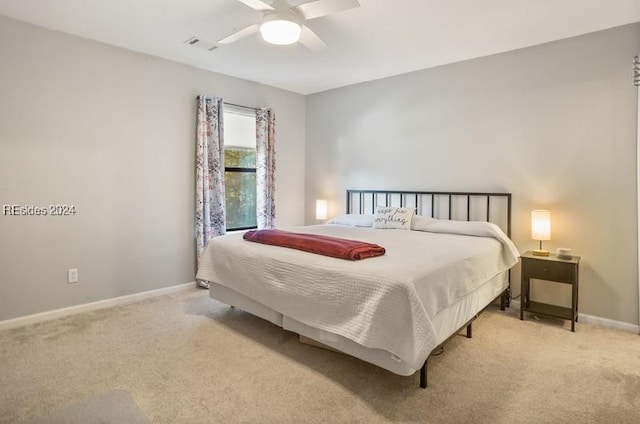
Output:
(394, 311)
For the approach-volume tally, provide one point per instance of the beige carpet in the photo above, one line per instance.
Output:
(185, 358)
(113, 407)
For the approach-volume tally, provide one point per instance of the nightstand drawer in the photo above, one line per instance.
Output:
(549, 270)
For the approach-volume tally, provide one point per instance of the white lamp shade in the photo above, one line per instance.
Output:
(280, 31)
(540, 224)
(321, 209)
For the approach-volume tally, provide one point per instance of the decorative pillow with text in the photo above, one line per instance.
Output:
(393, 218)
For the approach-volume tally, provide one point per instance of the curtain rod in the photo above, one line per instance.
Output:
(242, 106)
(251, 108)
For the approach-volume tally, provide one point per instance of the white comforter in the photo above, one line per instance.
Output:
(386, 302)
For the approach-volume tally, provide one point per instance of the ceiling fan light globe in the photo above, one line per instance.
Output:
(280, 31)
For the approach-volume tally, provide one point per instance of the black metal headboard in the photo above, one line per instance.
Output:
(461, 206)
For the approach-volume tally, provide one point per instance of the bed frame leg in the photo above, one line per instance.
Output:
(423, 375)
(503, 300)
(469, 331)
(507, 293)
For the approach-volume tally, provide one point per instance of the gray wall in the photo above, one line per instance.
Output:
(553, 124)
(111, 132)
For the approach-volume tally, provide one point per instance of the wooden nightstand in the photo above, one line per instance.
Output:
(554, 269)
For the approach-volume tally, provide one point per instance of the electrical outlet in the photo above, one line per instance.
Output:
(72, 275)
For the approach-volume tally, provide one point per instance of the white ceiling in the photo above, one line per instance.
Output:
(379, 39)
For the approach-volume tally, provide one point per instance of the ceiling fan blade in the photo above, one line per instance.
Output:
(256, 4)
(240, 34)
(310, 40)
(320, 8)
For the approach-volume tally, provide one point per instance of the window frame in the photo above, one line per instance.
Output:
(236, 169)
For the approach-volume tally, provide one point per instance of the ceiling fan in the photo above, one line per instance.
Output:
(283, 24)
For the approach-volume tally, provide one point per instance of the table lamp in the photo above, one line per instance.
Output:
(321, 209)
(541, 229)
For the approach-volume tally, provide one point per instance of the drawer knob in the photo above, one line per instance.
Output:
(546, 270)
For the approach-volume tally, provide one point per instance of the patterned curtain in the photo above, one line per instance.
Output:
(265, 167)
(210, 209)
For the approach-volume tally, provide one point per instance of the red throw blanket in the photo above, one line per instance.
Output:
(314, 243)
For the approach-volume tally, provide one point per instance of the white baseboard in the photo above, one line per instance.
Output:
(599, 321)
(136, 297)
(100, 304)
(609, 323)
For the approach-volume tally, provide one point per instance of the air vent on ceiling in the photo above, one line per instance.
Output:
(201, 44)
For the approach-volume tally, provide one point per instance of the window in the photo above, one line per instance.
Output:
(240, 169)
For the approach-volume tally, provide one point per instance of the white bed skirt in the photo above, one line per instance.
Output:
(446, 322)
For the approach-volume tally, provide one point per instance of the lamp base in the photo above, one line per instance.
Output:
(540, 252)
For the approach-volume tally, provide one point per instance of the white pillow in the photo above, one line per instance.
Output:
(393, 218)
(352, 219)
(420, 222)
